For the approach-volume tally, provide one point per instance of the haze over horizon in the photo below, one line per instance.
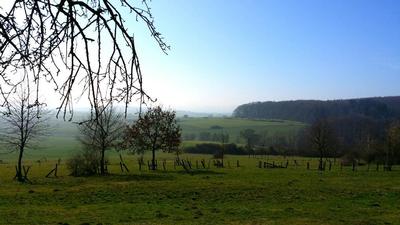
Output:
(224, 55)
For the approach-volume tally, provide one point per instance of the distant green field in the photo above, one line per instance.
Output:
(63, 142)
(231, 195)
(233, 126)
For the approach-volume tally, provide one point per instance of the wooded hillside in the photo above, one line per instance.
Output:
(310, 110)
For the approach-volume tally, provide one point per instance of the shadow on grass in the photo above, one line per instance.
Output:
(158, 175)
(163, 174)
(148, 176)
(199, 172)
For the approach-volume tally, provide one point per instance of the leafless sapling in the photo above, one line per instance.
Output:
(103, 134)
(23, 125)
(322, 139)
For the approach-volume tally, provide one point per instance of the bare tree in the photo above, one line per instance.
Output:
(23, 126)
(63, 43)
(322, 139)
(251, 138)
(103, 134)
(392, 153)
(155, 130)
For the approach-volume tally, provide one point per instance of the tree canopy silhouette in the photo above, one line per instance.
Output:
(156, 130)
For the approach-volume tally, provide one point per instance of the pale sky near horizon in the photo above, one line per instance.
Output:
(226, 53)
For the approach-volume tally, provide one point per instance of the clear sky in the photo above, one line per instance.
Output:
(226, 53)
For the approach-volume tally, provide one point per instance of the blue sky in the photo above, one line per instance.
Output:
(226, 53)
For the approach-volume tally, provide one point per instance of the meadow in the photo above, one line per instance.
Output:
(63, 142)
(231, 195)
(233, 126)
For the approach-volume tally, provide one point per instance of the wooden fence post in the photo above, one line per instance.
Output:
(55, 173)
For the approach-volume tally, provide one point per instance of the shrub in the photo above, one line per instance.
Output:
(85, 163)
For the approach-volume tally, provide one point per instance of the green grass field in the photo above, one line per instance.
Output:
(62, 142)
(233, 126)
(230, 195)
(244, 195)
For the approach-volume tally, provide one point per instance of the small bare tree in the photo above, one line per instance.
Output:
(23, 126)
(155, 130)
(251, 138)
(322, 139)
(103, 134)
(392, 153)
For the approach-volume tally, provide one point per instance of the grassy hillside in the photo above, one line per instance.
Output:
(233, 126)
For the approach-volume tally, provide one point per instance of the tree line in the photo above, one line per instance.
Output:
(352, 139)
(309, 111)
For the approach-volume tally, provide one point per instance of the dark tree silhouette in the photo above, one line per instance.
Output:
(393, 145)
(250, 136)
(22, 127)
(103, 134)
(62, 42)
(156, 130)
(224, 140)
(322, 139)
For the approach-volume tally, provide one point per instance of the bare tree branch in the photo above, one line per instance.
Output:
(74, 45)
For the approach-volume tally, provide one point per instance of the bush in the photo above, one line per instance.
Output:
(349, 158)
(86, 163)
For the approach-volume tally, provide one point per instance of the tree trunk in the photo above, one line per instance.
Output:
(320, 160)
(19, 172)
(177, 156)
(153, 160)
(102, 163)
(387, 161)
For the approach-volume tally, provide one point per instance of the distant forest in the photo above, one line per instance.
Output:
(308, 111)
(359, 128)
